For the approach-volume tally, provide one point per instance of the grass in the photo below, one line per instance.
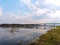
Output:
(52, 37)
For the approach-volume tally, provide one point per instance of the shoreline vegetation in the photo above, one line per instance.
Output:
(52, 37)
(19, 25)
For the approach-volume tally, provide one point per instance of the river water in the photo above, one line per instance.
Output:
(14, 36)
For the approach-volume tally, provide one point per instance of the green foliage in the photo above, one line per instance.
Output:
(52, 37)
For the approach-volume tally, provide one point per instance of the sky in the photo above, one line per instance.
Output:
(29, 11)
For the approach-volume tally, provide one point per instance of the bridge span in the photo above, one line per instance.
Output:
(37, 26)
(45, 25)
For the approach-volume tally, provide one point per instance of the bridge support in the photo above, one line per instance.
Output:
(44, 26)
(54, 26)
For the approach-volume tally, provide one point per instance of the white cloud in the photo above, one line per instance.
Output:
(29, 4)
(27, 17)
(51, 13)
(35, 10)
(13, 18)
(54, 2)
(55, 14)
(44, 20)
(40, 11)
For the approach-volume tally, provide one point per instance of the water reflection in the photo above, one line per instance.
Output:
(14, 30)
(15, 36)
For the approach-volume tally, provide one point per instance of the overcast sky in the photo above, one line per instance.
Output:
(29, 11)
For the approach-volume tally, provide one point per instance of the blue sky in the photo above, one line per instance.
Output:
(29, 11)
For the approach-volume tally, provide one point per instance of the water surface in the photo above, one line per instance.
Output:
(12, 36)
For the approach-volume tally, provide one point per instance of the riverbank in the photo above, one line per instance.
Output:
(52, 37)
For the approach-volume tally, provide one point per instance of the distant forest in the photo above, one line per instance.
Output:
(19, 25)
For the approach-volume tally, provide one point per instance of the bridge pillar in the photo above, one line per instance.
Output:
(54, 26)
(44, 26)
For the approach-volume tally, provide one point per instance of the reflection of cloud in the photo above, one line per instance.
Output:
(27, 34)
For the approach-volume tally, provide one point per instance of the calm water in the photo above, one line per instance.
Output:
(11, 36)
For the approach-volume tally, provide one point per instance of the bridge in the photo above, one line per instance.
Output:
(37, 26)
(44, 25)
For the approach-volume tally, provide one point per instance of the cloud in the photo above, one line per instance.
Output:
(29, 4)
(40, 11)
(26, 18)
(55, 14)
(54, 2)
(35, 11)
(44, 20)
(13, 18)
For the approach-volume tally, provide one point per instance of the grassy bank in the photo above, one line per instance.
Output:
(52, 37)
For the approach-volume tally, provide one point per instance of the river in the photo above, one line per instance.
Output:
(13, 36)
